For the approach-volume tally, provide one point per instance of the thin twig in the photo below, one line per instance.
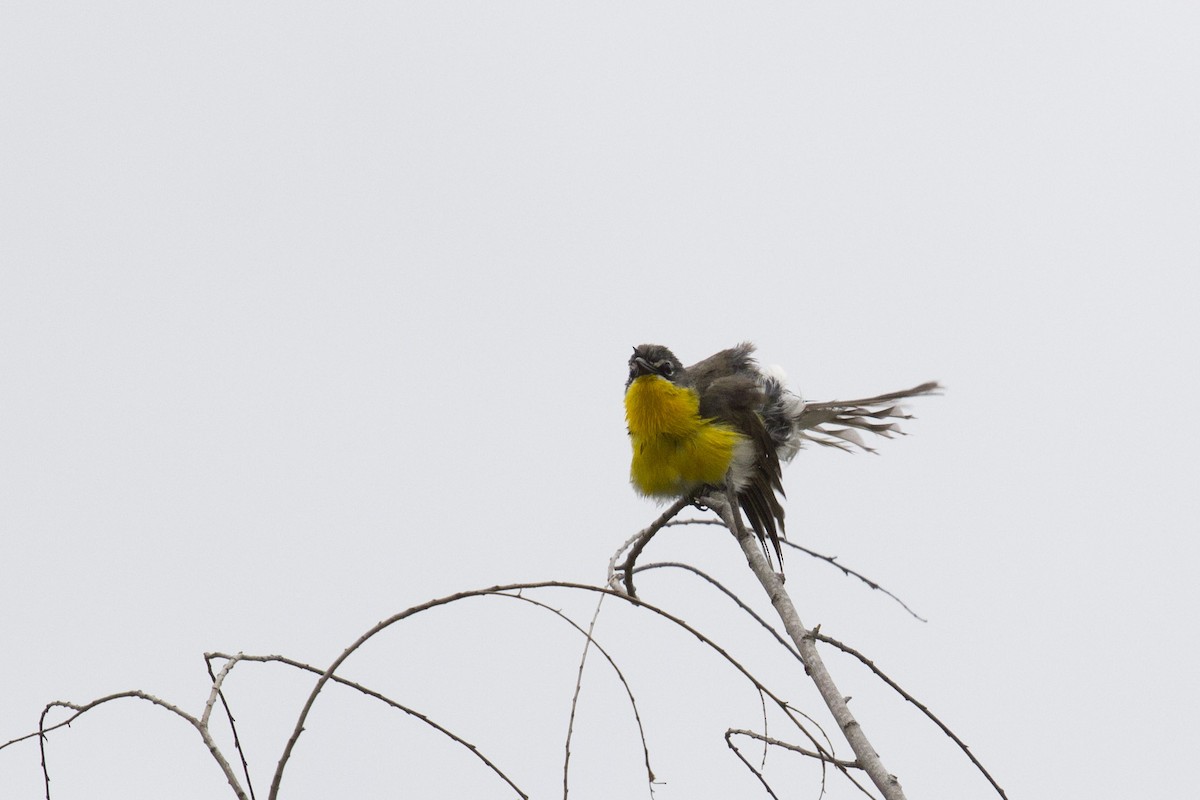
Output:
(844, 766)
(793, 747)
(237, 741)
(753, 769)
(784, 643)
(587, 646)
(591, 642)
(42, 748)
(762, 693)
(767, 741)
(216, 690)
(832, 560)
(924, 708)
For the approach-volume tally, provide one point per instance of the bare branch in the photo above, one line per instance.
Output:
(802, 639)
(80, 710)
(26, 737)
(216, 689)
(887, 783)
(591, 642)
(721, 588)
(753, 769)
(767, 741)
(784, 643)
(638, 543)
(793, 747)
(924, 709)
(328, 674)
(832, 560)
(587, 646)
(382, 698)
(237, 741)
(844, 766)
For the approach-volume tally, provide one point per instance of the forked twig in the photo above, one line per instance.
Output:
(81, 709)
(753, 769)
(795, 748)
(237, 742)
(636, 543)
(866, 756)
(844, 766)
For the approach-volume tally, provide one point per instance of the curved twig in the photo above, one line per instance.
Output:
(80, 710)
(753, 769)
(328, 674)
(383, 698)
(824, 754)
(728, 593)
(638, 542)
(591, 642)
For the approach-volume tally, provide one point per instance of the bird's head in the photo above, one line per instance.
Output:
(654, 359)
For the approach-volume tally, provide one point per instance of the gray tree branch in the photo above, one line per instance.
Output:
(869, 760)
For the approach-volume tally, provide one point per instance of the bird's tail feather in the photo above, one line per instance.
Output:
(837, 423)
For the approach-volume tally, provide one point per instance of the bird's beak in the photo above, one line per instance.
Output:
(641, 366)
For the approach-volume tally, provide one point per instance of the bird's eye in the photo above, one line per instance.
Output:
(667, 369)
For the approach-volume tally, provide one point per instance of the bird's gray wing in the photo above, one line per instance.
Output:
(734, 361)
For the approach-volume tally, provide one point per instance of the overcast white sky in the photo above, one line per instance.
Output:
(312, 312)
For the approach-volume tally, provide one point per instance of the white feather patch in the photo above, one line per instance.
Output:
(741, 466)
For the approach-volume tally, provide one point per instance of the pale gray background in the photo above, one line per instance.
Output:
(311, 312)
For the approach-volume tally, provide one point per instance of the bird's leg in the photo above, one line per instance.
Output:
(707, 490)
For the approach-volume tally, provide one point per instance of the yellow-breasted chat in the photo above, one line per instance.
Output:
(725, 422)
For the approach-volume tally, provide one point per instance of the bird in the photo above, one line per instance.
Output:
(727, 423)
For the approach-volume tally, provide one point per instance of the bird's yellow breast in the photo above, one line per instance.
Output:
(675, 450)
